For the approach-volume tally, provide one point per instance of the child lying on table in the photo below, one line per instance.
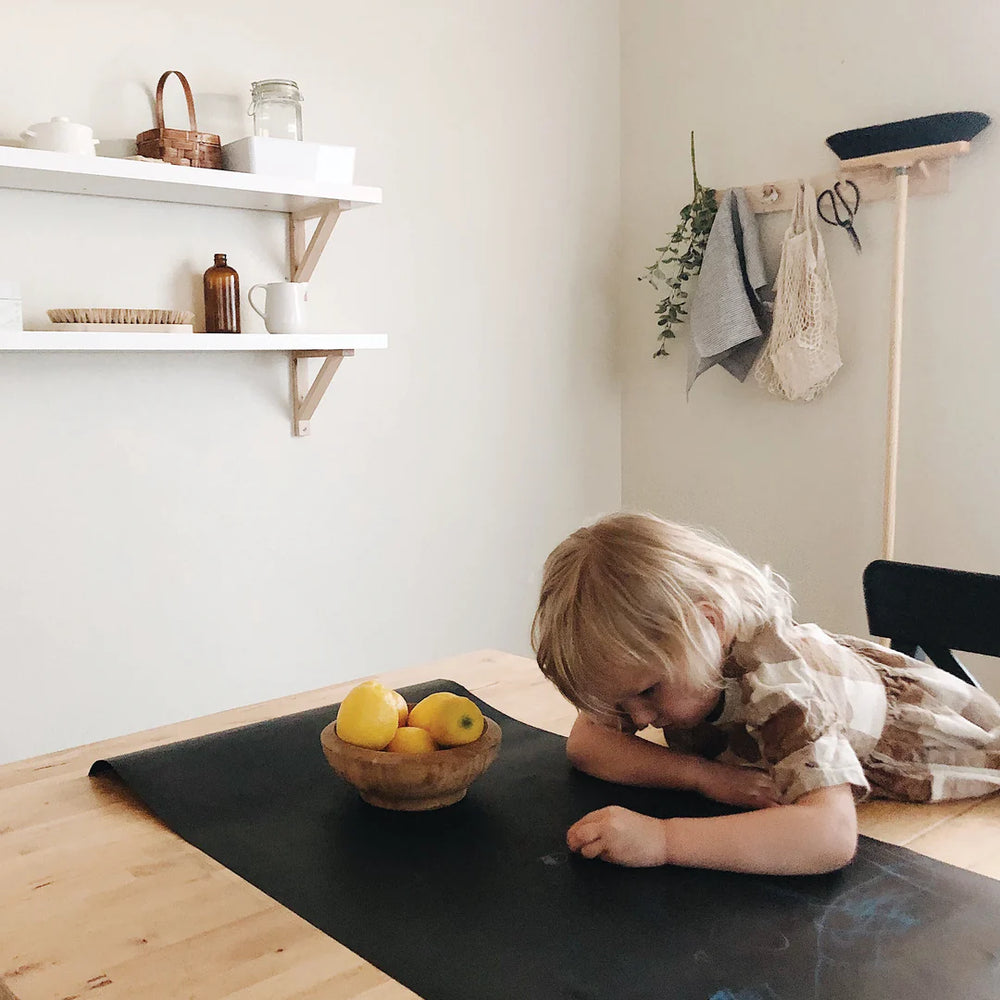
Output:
(646, 623)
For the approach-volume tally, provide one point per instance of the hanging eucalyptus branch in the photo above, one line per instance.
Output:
(682, 256)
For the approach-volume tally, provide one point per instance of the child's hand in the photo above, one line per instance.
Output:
(620, 836)
(737, 786)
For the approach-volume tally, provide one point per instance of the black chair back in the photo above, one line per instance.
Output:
(932, 611)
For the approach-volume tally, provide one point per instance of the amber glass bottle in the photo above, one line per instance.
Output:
(222, 298)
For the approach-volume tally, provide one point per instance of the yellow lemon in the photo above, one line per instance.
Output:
(401, 707)
(422, 713)
(410, 739)
(368, 716)
(451, 719)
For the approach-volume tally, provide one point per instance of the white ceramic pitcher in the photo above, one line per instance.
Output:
(284, 306)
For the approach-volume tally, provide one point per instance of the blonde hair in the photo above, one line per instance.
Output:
(624, 593)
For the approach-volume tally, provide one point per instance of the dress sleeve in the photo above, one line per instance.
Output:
(799, 732)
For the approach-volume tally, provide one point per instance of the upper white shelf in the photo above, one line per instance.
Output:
(57, 340)
(64, 173)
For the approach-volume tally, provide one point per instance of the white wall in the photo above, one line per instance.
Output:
(168, 549)
(800, 485)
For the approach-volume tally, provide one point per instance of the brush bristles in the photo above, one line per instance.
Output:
(144, 316)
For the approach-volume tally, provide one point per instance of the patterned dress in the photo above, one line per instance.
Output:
(818, 710)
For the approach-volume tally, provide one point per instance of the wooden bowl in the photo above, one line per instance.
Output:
(411, 781)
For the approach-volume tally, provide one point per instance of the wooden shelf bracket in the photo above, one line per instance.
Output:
(302, 259)
(305, 400)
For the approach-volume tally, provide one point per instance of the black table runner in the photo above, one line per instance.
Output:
(482, 900)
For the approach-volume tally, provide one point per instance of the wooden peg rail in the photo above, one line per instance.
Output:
(929, 171)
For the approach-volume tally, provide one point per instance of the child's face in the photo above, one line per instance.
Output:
(649, 700)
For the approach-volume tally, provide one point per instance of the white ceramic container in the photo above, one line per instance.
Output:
(61, 136)
(311, 161)
(284, 306)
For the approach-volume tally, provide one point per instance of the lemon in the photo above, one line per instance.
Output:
(422, 713)
(368, 716)
(401, 707)
(410, 739)
(450, 719)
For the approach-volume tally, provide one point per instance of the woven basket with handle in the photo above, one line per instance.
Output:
(185, 147)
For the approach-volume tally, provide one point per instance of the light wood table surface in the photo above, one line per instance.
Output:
(99, 899)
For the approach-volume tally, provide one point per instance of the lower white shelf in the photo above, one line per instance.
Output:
(51, 340)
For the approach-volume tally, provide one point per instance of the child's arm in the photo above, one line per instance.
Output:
(817, 833)
(631, 760)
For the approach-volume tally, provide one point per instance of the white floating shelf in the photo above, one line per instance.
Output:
(52, 340)
(142, 180)
(109, 177)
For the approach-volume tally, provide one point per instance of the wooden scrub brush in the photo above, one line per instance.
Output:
(123, 320)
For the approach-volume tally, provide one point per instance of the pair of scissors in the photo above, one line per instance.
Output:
(839, 203)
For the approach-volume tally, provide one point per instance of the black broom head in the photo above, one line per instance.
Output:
(932, 130)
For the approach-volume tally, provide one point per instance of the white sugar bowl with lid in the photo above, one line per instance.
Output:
(61, 136)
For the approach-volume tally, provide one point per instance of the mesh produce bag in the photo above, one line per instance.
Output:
(801, 356)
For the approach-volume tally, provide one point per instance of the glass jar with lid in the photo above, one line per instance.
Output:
(276, 108)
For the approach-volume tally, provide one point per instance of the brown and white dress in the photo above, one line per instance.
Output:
(818, 710)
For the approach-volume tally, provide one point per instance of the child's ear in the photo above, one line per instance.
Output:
(715, 619)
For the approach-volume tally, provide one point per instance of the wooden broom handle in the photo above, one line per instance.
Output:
(187, 93)
(895, 363)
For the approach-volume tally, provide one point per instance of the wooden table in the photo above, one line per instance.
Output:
(98, 898)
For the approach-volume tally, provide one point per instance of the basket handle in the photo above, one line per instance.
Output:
(187, 93)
